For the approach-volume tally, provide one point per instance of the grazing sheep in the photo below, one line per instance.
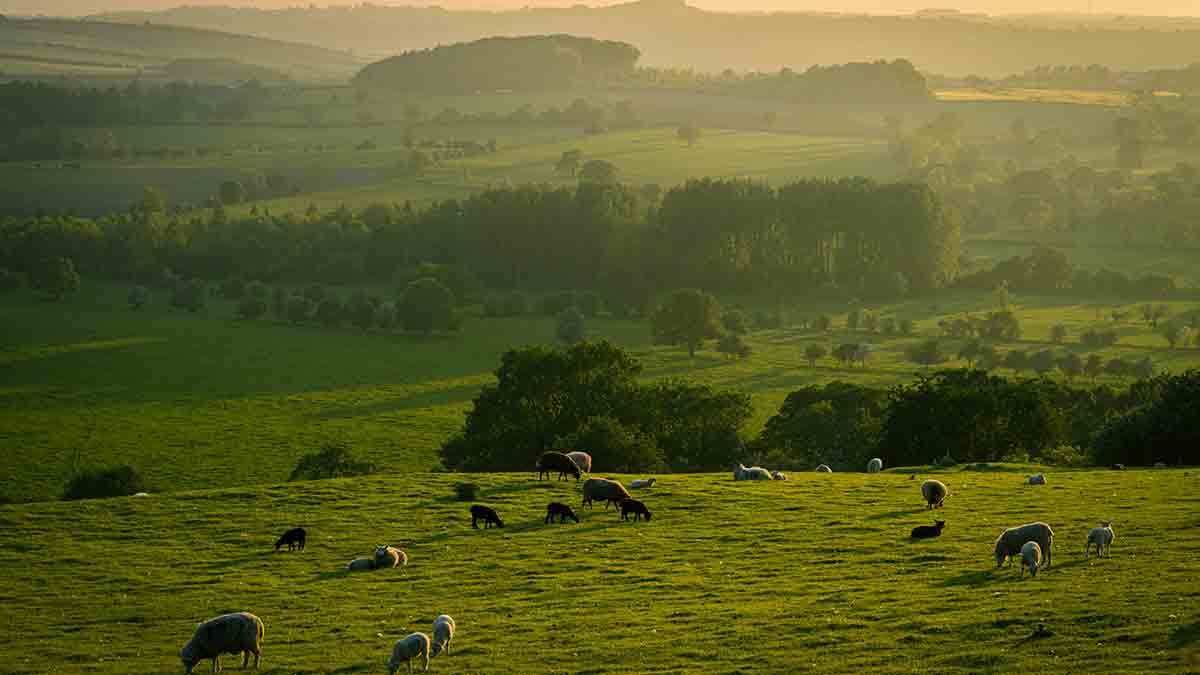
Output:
(552, 461)
(612, 492)
(1010, 541)
(294, 538)
(487, 515)
(408, 648)
(582, 460)
(928, 531)
(635, 507)
(778, 475)
(1037, 479)
(239, 633)
(562, 511)
(1102, 537)
(741, 472)
(1031, 557)
(823, 468)
(935, 493)
(875, 465)
(443, 633)
(1117, 467)
(642, 483)
(387, 557)
(360, 565)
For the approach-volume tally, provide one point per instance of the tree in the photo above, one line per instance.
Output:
(330, 312)
(1044, 362)
(55, 276)
(154, 200)
(598, 172)
(231, 192)
(1163, 429)
(1144, 368)
(190, 295)
(854, 319)
(385, 315)
(907, 326)
(299, 309)
(335, 460)
(1002, 297)
(138, 297)
(734, 321)
(569, 163)
(688, 318)
(837, 423)
(1071, 365)
(846, 353)
(360, 310)
(570, 326)
(1093, 366)
(1016, 360)
(814, 353)
(10, 280)
(1058, 333)
(823, 323)
(1173, 332)
(970, 352)
(927, 353)
(427, 306)
(252, 307)
(628, 449)
(689, 133)
(732, 345)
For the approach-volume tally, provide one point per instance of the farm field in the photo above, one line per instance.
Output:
(812, 575)
(206, 401)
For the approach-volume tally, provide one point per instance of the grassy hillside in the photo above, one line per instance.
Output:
(812, 575)
(205, 401)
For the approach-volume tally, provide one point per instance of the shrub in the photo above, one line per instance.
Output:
(823, 323)
(299, 309)
(734, 321)
(10, 281)
(928, 353)
(233, 288)
(589, 303)
(570, 326)
(190, 295)
(814, 353)
(257, 289)
(251, 307)
(333, 461)
(385, 315)
(764, 320)
(138, 297)
(732, 345)
(1098, 338)
(315, 293)
(907, 326)
(330, 312)
(466, 492)
(98, 483)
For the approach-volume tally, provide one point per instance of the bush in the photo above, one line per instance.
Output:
(10, 281)
(907, 326)
(98, 483)
(330, 312)
(512, 304)
(233, 289)
(190, 295)
(428, 305)
(589, 303)
(466, 492)
(299, 309)
(257, 289)
(333, 461)
(138, 297)
(732, 345)
(764, 320)
(315, 293)
(570, 326)
(1098, 338)
(734, 321)
(251, 307)
(385, 315)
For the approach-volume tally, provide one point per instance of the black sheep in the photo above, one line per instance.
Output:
(294, 538)
(635, 507)
(552, 461)
(562, 511)
(928, 531)
(487, 515)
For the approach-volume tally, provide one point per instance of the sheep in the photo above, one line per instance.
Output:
(1031, 557)
(443, 633)
(1036, 479)
(141, 494)
(935, 493)
(778, 475)
(741, 472)
(552, 461)
(823, 468)
(642, 483)
(1010, 541)
(1102, 537)
(1117, 467)
(582, 460)
(294, 538)
(612, 492)
(635, 507)
(360, 565)
(928, 531)
(238, 633)
(388, 557)
(487, 515)
(416, 645)
(1160, 465)
(562, 511)
(875, 465)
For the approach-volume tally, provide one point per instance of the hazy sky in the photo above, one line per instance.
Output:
(1159, 7)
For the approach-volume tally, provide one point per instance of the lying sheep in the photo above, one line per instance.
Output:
(1117, 467)
(823, 468)
(611, 492)
(642, 483)
(239, 633)
(928, 531)
(552, 461)
(741, 472)
(389, 557)
(408, 648)
(560, 511)
(1031, 557)
(582, 460)
(875, 465)
(1010, 541)
(360, 565)
(778, 475)
(935, 493)
(443, 633)
(1036, 479)
(1102, 537)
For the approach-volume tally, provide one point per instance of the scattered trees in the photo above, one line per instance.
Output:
(689, 317)
(55, 277)
(814, 353)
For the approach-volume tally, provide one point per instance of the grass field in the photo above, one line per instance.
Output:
(206, 401)
(812, 575)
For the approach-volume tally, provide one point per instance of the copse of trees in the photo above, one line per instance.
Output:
(880, 81)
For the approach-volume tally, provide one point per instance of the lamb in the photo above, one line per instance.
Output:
(612, 492)
(928, 531)
(294, 538)
(1010, 541)
(552, 461)
(875, 465)
(408, 648)
(241, 632)
(443, 633)
(642, 483)
(635, 507)
(1036, 479)
(1102, 537)
(741, 472)
(1031, 557)
(778, 475)
(935, 493)
(823, 468)
(562, 511)
(582, 460)
(388, 557)
(360, 565)
(487, 515)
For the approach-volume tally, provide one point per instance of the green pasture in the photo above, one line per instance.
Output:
(812, 575)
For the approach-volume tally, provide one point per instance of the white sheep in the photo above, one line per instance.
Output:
(1031, 557)
(1036, 479)
(823, 468)
(935, 493)
(610, 491)
(642, 483)
(443, 632)
(778, 475)
(582, 460)
(389, 557)
(408, 648)
(360, 565)
(742, 472)
(1102, 537)
(1010, 541)
(239, 633)
(875, 465)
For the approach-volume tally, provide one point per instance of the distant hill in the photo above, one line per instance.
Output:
(90, 48)
(671, 33)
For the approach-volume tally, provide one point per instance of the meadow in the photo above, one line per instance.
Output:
(812, 575)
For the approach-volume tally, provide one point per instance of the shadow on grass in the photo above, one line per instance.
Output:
(973, 579)
(424, 400)
(356, 668)
(894, 514)
(238, 562)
